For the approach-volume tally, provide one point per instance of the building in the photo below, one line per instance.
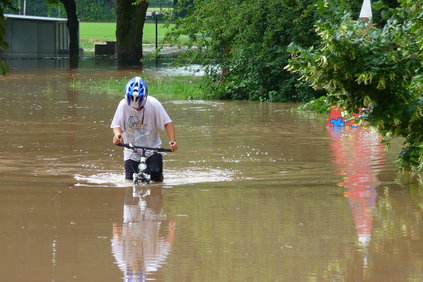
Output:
(32, 36)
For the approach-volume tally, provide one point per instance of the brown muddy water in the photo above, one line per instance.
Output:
(255, 193)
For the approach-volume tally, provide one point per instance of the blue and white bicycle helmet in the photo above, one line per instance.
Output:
(136, 92)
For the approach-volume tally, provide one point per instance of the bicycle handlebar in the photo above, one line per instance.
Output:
(130, 146)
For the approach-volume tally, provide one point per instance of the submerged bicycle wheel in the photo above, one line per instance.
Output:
(142, 179)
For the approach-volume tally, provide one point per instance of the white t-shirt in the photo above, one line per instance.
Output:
(140, 128)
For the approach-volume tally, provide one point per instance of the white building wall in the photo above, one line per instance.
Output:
(39, 36)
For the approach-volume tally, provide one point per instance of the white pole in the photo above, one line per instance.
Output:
(366, 10)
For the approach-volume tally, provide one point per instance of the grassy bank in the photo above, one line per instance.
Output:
(164, 88)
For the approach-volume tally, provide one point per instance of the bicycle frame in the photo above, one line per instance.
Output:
(142, 177)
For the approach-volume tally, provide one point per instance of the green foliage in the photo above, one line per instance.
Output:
(380, 69)
(319, 105)
(247, 40)
(99, 10)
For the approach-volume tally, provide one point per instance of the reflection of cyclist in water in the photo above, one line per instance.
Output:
(138, 120)
(137, 244)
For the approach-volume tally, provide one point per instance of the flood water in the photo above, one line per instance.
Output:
(255, 192)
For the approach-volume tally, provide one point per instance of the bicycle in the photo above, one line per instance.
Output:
(143, 176)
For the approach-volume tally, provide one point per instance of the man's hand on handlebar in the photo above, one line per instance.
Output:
(117, 139)
(173, 146)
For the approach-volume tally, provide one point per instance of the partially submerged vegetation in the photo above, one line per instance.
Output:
(362, 66)
(376, 66)
(162, 87)
(319, 105)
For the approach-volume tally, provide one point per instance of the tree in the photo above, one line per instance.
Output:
(129, 30)
(380, 69)
(73, 26)
(249, 39)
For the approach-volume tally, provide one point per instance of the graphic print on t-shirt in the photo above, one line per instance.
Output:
(137, 132)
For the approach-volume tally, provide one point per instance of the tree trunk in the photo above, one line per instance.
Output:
(73, 27)
(129, 31)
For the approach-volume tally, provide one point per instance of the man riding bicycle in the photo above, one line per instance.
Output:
(138, 120)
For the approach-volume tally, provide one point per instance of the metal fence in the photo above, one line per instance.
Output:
(99, 38)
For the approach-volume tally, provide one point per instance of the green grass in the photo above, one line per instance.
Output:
(177, 87)
(97, 33)
(162, 87)
(157, 9)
